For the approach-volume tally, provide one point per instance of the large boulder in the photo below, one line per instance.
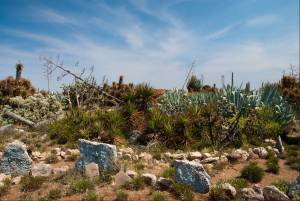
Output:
(105, 155)
(294, 190)
(271, 193)
(15, 159)
(192, 173)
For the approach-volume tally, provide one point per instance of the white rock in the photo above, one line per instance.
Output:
(261, 151)
(132, 173)
(229, 190)
(16, 180)
(145, 156)
(194, 155)
(41, 169)
(61, 170)
(4, 177)
(149, 179)
(271, 193)
(210, 160)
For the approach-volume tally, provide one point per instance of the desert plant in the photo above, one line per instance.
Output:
(29, 183)
(81, 185)
(157, 196)
(282, 185)
(252, 172)
(169, 173)
(4, 188)
(194, 84)
(218, 194)
(135, 184)
(183, 191)
(292, 157)
(90, 196)
(272, 164)
(54, 194)
(121, 196)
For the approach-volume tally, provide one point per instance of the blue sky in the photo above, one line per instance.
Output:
(151, 40)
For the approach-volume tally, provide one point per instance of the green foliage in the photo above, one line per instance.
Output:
(169, 173)
(142, 96)
(218, 194)
(29, 183)
(252, 173)
(183, 191)
(194, 84)
(139, 167)
(82, 185)
(135, 184)
(5, 187)
(105, 177)
(88, 125)
(90, 196)
(55, 194)
(282, 185)
(157, 196)
(121, 196)
(238, 183)
(272, 164)
(292, 157)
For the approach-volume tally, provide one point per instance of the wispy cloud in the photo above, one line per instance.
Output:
(262, 20)
(220, 33)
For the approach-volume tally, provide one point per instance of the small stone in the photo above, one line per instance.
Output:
(261, 151)
(238, 155)
(134, 136)
(61, 170)
(127, 157)
(194, 155)
(135, 157)
(145, 156)
(121, 178)
(16, 180)
(41, 169)
(149, 179)
(56, 151)
(208, 167)
(92, 170)
(164, 183)
(63, 154)
(132, 174)
(273, 142)
(73, 152)
(210, 160)
(206, 155)
(127, 150)
(252, 155)
(271, 193)
(229, 190)
(249, 194)
(179, 156)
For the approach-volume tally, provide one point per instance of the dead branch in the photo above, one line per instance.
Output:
(20, 119)
(50, 62)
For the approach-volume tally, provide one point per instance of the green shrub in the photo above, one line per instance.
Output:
(157, 196)
(282, 185)
(238, 183)
(29, 183)
(272, 164)
(169, 173)
(51, 159)
(139, 167)
(81, 185)
(183, 191)
(121, 196)
(88, 125)
(90, 196)
(135, 184)
(5, 187)
(105, 177)
(54, 194)
(292, 157)
(218, 194)
(252, 172)
(194, 84)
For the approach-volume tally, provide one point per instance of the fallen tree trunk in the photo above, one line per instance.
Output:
(20, 119)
